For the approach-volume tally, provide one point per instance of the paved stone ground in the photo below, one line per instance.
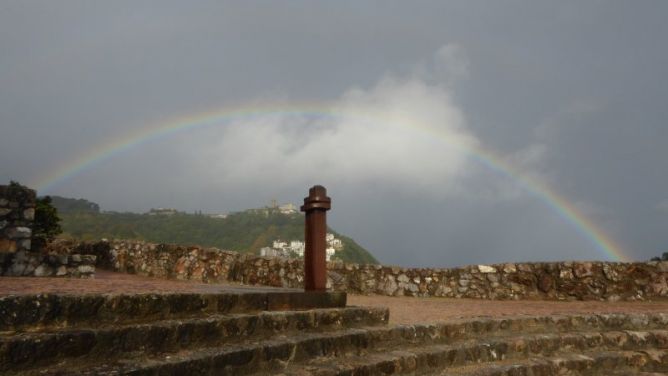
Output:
(116, 283)
(403, 310)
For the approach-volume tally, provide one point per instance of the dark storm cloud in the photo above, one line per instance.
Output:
(571, 93)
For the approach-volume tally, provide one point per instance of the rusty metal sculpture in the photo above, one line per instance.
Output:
(315, 266)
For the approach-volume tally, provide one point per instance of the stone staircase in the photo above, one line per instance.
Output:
(293, 333)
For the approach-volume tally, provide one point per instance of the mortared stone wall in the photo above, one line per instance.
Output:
(543, 280)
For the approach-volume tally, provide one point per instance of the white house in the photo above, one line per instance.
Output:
(296, 248)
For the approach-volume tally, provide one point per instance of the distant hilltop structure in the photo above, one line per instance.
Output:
(162, 211)
(218, 216)
(274, 207)
(287, 209)
(295, 248)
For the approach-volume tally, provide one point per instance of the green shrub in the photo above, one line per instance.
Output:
(47, 223)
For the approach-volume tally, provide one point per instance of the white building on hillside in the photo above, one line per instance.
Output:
(295, 248)
(288, 209)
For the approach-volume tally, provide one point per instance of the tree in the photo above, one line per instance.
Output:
(663, 257)
(46, 226)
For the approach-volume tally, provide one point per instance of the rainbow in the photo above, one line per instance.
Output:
(490, 160)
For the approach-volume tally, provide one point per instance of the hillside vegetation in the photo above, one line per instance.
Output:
(246, 231)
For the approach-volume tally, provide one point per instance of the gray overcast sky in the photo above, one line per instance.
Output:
(570, 94)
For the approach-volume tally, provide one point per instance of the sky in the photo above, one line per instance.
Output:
(446, 133)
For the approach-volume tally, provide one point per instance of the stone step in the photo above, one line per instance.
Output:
(374, 350)
(79, 338)
(35, 312)
(411, 358)
(39, 348)
(231, 359)
(485, 327)
(609, 363)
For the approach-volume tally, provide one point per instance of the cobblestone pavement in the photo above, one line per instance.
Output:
(403, 310)
(407, 310)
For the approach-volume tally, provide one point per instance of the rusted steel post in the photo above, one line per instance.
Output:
(315, 266)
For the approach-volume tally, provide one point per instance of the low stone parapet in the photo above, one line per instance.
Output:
(34, 264)
(576, 280)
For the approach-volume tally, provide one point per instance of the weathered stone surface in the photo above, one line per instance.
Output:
(26, 312)
(662, 266)
(297, 345)
(29, 214)
(19, 232)
(509, 268)
(555, 280)
(486, 269)
(545, 283)
(86, 269)
(17, 209)
(24, 243)
(7, 245)
(43, 271)
(583, 269)
(33, 264)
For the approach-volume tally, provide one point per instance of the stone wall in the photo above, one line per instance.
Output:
(34, 264)
(17, 212)
(549, 280)
(17, 215)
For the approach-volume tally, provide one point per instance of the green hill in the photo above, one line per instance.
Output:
(246, 231)
(68, 205)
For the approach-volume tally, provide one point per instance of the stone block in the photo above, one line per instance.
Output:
(545, 283)
(61, 271)
(662, 266)
(486, 269)
(86, 269)
(88, 259)
(43, 270)
(17, 268)
(583, 269)
(25, 244)
(29, 269)
(20, 232)
(21, 256)
(29, 214)
(403, 278)
(527, 268)
(7, 245)
(509, 268)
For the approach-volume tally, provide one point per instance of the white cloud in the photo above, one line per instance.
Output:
(401, 132)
